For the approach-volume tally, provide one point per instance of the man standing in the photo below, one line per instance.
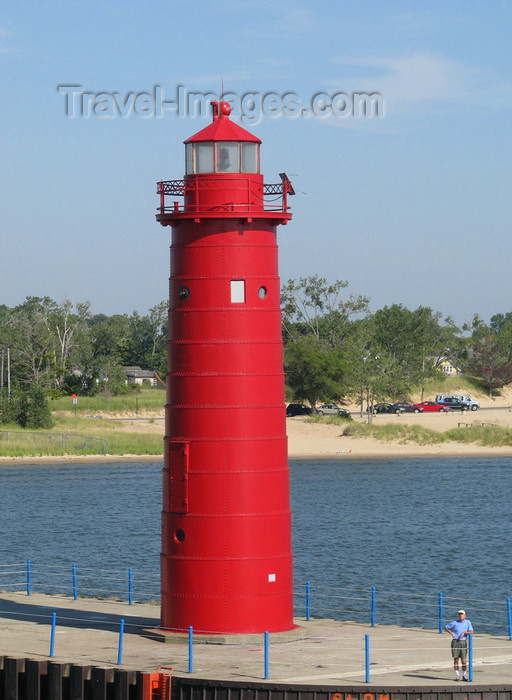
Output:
(459, 629)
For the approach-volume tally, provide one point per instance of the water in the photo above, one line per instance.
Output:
(417, 526)
(409, 527)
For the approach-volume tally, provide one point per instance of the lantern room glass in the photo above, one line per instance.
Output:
(221, 157)
(250, 157)
(203, 160)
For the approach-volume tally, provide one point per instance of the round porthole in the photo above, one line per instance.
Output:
(179, 535)
(184, 293)
(262, 292)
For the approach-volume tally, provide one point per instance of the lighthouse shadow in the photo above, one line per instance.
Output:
(87, 618)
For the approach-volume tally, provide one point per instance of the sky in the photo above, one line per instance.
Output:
(410, 205)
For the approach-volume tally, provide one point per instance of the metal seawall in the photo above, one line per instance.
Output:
(27, 679)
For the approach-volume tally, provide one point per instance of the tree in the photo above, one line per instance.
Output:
(43, 337)
(34, 409)
(490, 353)
(371, 375)
(113, 379)
(70, 330)
(148, 339)
(487, 362)
(31, 342)
(313, 370)
(109, 351)
(312, 306)
(414, 340)
(316, 323)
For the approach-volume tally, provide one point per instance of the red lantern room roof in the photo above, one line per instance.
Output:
(222, 128)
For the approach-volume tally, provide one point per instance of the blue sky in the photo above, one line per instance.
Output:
(411, 207)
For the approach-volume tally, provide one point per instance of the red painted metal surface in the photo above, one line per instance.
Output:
(226, 560)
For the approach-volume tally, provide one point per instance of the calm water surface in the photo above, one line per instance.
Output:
(413, 526)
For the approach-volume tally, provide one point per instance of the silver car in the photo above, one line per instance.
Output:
(328, 409)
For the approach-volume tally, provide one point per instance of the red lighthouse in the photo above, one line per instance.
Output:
(226, 562)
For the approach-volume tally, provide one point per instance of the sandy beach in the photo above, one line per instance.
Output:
(314, 439)
(321, 440)
(308, 439)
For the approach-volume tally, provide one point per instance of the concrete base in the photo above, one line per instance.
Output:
(326, 653)
(168, 636)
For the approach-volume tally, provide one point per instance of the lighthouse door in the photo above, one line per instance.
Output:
(178, 463)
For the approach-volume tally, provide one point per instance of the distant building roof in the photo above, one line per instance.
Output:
(136, 372)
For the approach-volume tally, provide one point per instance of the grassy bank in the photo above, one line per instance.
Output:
(79, 436)
(460, 384)
(142, 401)
(487, 436)
(89, 427)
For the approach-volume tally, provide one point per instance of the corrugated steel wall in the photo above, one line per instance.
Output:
(26, 679)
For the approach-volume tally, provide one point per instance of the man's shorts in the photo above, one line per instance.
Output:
(459, 648)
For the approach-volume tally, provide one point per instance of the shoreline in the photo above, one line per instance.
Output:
(306, 441)
(312, 440)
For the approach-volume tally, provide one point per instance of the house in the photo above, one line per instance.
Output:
(448, 368)
(136, 375)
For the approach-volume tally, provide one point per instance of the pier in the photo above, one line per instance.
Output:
(317, 654)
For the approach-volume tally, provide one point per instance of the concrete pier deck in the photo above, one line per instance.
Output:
(318, 652)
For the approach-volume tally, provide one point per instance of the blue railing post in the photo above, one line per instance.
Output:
(441, 612)
(266, 659)
(75, 589)
(374, 605)
(29, 581)
(120, 645)
(308, 600)
(190, 649)
(52, 634)
(367, 658)
(470, 656)
(130, 586)
(509, 617)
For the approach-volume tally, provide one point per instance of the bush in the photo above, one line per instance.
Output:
(34, 409)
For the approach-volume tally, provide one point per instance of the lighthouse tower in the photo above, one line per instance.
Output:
(226, 562)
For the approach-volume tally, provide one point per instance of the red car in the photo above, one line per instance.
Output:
(431, 406)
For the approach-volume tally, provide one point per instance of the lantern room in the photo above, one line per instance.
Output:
(223, 147)
(222, 157)
(222, 174)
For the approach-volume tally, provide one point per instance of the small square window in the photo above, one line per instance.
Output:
(237, 291)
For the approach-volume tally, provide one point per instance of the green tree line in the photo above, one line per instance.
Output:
(62, 348)
(334, 347)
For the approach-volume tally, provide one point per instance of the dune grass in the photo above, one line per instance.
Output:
(485, 435)
(90, 419)
(136, 401)
(68, 437)
(460, 384)
(400, 434)
(335, 420)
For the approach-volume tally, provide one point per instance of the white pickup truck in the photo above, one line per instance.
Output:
(472, 404)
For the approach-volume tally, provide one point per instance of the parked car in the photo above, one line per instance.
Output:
(454, 404)
(431, 406)
(328, 409)
(297, 409)
(331, 409)
(473, 404)
(404, 407)
(379, 408)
